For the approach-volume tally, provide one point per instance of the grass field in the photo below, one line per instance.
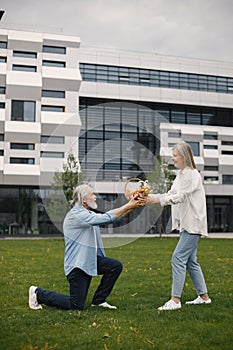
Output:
(143, 286)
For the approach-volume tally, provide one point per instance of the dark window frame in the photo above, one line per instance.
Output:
(22, 116)
(25, 68)
(22, 160)
(52, 108)
(54, 49)
(56, 64)
(53, 93)
(22, 146)
(25, 54)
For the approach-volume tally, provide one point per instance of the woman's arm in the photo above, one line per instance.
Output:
(183, 187)
(153, 199)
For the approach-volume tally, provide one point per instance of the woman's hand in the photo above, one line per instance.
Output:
(137, 201)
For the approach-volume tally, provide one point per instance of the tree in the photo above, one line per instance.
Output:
(161, 180)
(62, 189)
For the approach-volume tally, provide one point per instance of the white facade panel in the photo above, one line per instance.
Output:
(60, 123)
(21, 169)
(2, 116)
(61, 78)
(24, 40)
(22, 131)
(24, 85)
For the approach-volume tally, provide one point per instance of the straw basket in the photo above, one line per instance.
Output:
(136, 186)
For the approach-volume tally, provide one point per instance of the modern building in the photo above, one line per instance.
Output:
(116, 111)
(39, 122)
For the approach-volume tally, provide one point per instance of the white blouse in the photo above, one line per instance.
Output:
(187, 197)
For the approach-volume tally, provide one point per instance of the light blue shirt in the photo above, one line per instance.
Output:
(83, 240)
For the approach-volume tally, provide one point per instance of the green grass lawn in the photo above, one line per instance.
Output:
(144, 285)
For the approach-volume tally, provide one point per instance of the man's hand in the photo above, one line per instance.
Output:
(137, 201)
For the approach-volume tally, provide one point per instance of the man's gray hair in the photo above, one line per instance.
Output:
(80, 193)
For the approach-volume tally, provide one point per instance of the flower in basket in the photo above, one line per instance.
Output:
(137, 187)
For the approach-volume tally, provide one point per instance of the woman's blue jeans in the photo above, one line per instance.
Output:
(185, 257)
(79, 284)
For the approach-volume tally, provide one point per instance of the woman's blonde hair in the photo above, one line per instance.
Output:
(80, 193)
(185, 151)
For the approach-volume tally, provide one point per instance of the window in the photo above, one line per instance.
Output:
(47, 63)
(149, 77)
(195, 148)
(54, 49)
(52, 139)
(171, 145)
(23, 110)
(2, 105)
(193, 115)
(210, 178)
(227, 143)
(2, 90)
(23, 68)
(14, 160)
(28, 146)
(1, 152)
(210, 136)
(45, 154)
(178, 115)
(210, 147)
(53, 93)
(46, 108)
(3, 59)
(25, 54)
(3, 45)
(1, 137)
(227, 152)
(210, 168)
(227, 179)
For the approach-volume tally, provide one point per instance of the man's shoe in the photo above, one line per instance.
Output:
(32, 301)
(105, 305)
(170, 305)
(199, 300)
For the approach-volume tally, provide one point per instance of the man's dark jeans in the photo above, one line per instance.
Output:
(79, 284)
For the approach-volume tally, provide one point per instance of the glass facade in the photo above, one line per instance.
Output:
(120, 139)
(156, 78)
(116, 135)
(23, 211)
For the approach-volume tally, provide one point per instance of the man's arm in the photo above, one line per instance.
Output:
(128, 207)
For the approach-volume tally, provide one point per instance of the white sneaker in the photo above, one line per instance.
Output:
(105, 305)
(199, 301)
(32, 301)
(170, 305)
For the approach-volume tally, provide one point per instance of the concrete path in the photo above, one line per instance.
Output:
(117, 235)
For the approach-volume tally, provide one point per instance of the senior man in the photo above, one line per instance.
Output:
(84, 254)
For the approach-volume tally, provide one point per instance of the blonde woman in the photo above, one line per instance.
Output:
(187, 198)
